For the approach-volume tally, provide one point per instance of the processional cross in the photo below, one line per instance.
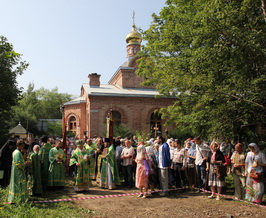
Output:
(155, 130)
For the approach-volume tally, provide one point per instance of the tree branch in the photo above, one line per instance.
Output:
(243, 99)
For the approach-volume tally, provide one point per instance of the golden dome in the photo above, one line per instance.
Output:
(133, 37)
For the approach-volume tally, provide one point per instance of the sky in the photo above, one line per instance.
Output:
(66, 40)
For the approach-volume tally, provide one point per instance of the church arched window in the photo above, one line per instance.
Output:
(72, 124)
(156, 124)
(116, 117)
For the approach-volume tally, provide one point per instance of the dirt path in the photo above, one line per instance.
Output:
(177, 204)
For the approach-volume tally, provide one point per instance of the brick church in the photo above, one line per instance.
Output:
(131, 104)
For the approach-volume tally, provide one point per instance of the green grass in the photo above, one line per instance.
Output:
(27, 210)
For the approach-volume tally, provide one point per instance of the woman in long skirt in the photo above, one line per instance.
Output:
(143, 168)
(255, 161)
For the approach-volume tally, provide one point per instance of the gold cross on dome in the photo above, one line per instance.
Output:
(133, 17)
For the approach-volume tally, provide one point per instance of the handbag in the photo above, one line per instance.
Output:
(220, 171)
(190, 165)
(254, 175)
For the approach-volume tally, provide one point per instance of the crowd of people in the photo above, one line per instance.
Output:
(43, 164)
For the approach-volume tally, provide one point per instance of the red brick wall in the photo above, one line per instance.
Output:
(132, 49)
(78, 111)
(135, 112)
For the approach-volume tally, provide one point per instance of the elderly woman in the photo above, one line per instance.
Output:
(143, 169)
(153, 177)
(217, 170)
(255, 161)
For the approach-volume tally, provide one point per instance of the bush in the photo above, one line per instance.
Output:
(229, 180)
(120, 130)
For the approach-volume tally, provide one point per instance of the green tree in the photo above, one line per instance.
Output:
(27, 109)
(211, 56)
(50, 101)
(11, 65)
(120, 130)
(55, 129)
(39, 104)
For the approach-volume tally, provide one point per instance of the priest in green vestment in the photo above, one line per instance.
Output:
(109, 171)
(18, 183)
(80, 158)
(44, 155)
(36, 171)
(92, 148)
(57, 157)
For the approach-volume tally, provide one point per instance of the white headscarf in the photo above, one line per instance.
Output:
(254, 145)
(168, 141)
(141, 152)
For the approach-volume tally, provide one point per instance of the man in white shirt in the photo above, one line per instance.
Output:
(127, 161)
(118, 150)
(202, 153)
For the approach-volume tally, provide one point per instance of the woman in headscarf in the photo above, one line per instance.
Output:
(255, 161)
(217, 170)
(143, 168)
(153, 177)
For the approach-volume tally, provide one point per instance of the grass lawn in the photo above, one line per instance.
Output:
(60, 209)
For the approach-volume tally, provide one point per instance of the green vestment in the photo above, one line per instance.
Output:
(82, 171)
(56, 176)
(44, 155)
(109, 170)
(92, 163)
(36, 174)
(18, 183)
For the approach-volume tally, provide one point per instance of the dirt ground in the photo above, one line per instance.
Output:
(177, 204)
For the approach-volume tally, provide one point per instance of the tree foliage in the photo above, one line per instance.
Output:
(11, 65)
(50, 102)
(211, 55)
(27, 109)
(39, 104)
(55, 129)
(122, 131)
